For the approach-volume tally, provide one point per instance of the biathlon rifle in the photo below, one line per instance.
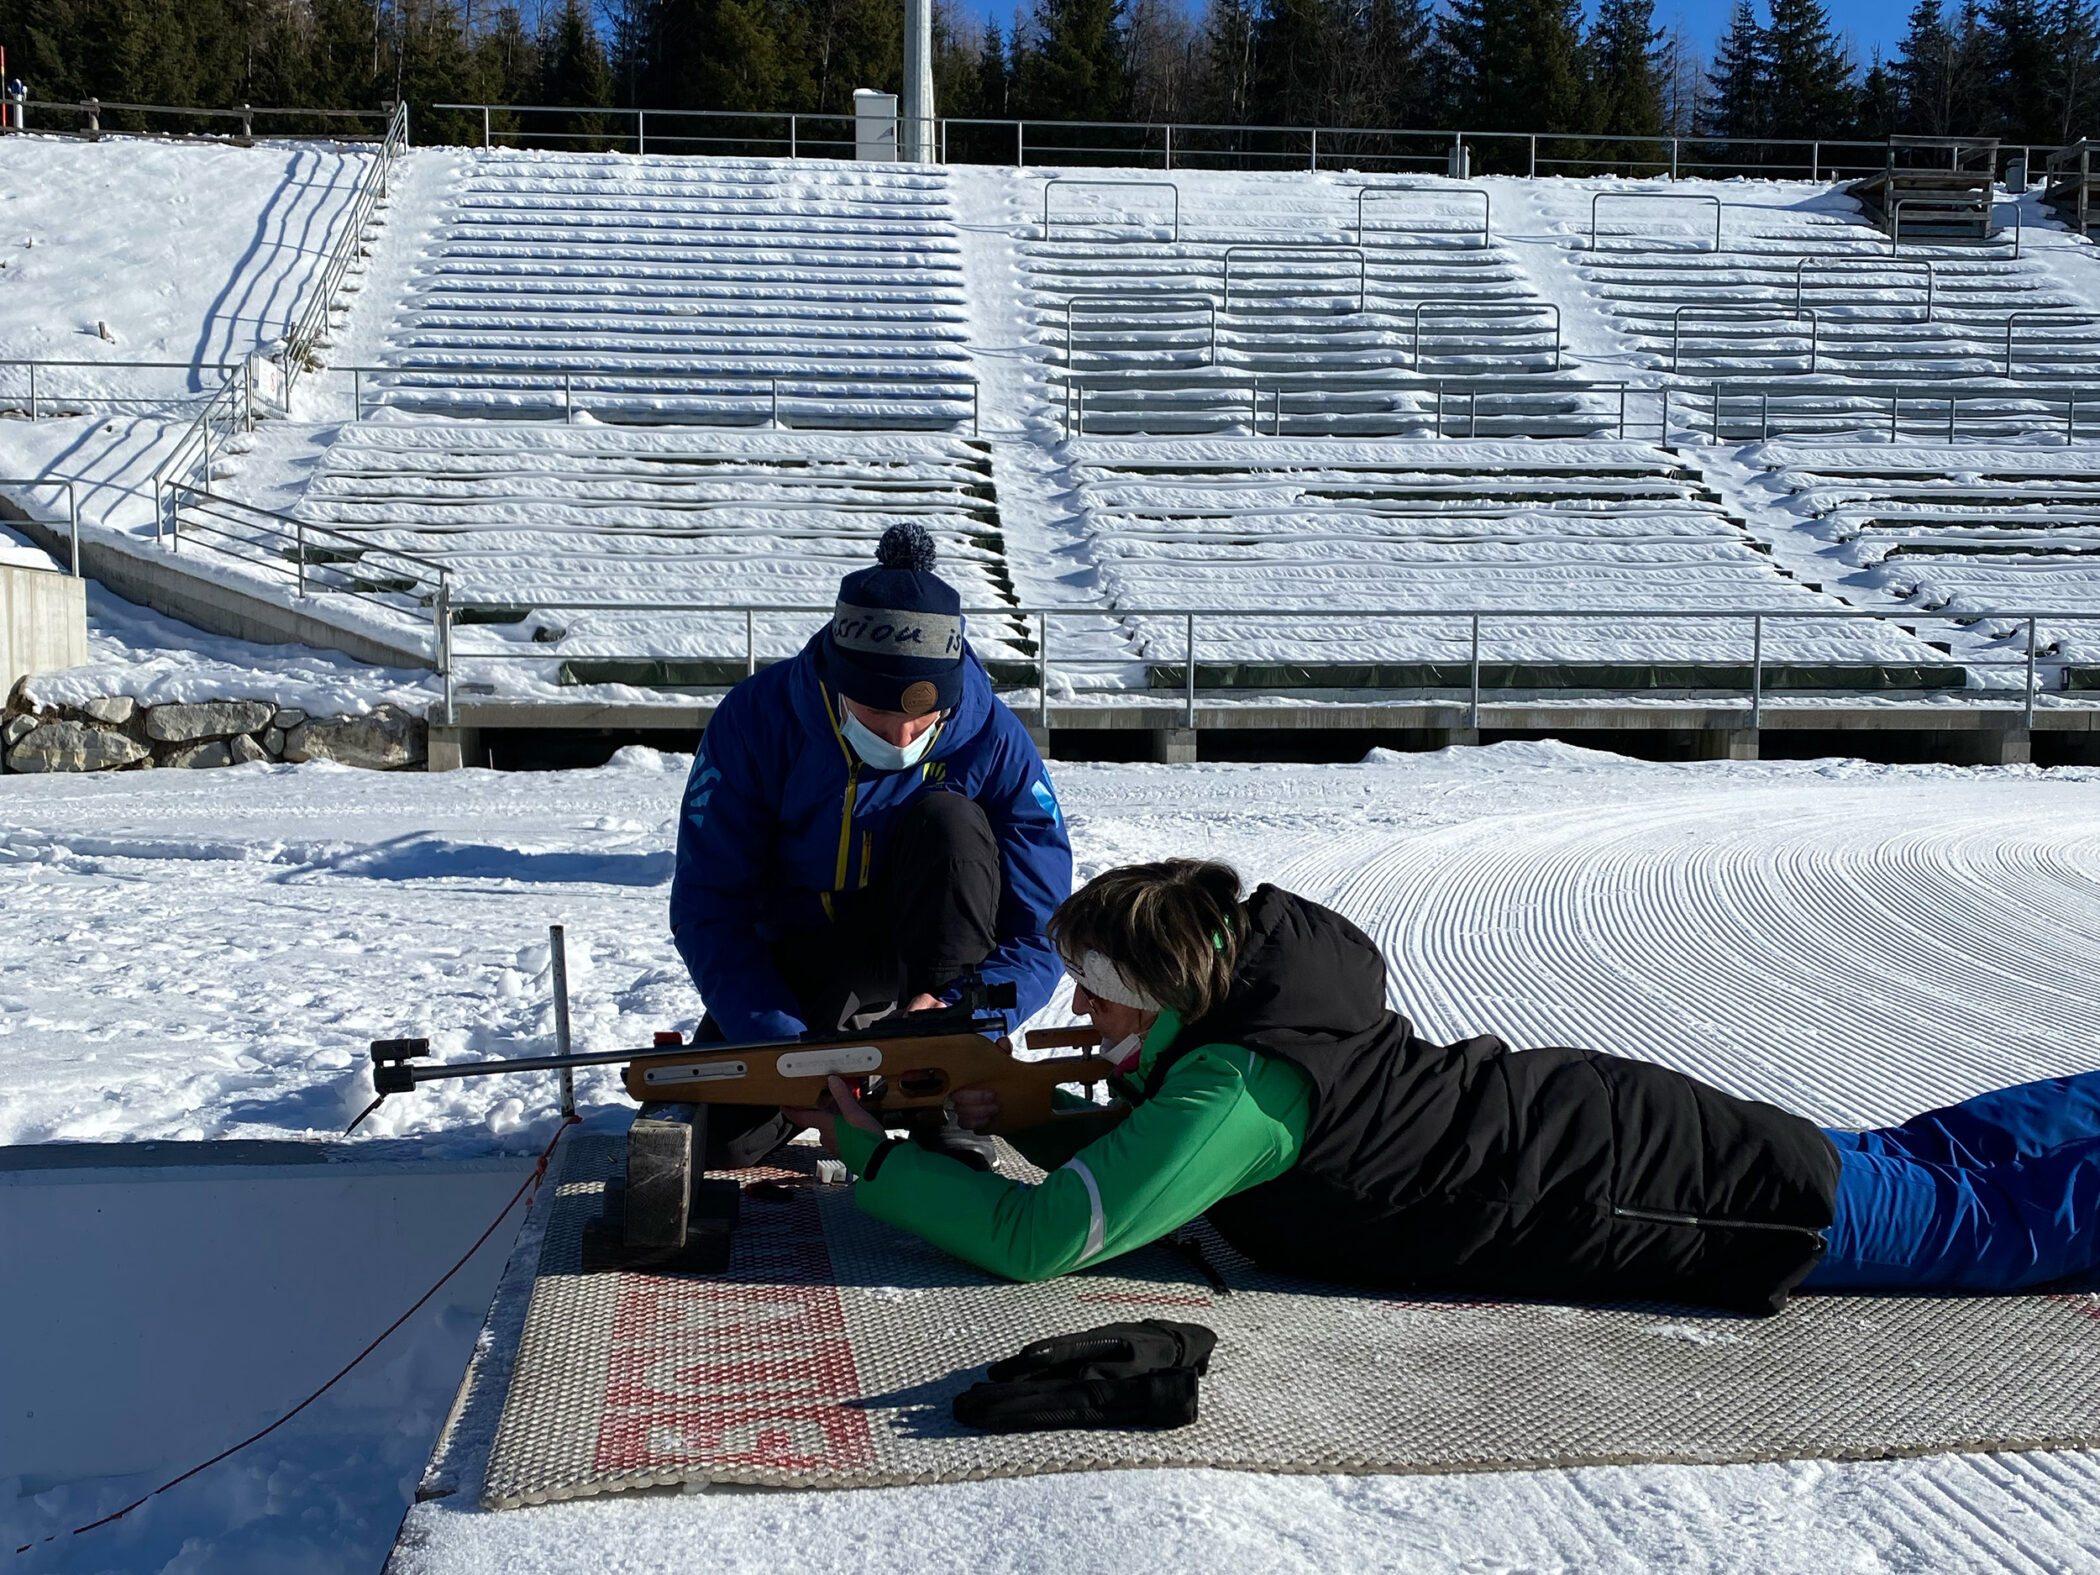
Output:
(906, 1062)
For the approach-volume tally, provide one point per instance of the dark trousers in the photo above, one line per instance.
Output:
(928, 915)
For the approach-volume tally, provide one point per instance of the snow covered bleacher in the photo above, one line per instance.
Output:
(1200, 301)
(1966, 529)
(1798, 296)
(672, 289)
(584, 545)
(1288, 549)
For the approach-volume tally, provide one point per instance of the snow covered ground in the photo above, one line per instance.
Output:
(206, 955)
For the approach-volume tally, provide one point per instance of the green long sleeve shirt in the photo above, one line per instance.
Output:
(1224, 1119)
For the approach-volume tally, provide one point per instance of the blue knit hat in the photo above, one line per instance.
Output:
(896, 636)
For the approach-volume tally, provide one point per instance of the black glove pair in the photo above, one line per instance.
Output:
(1119, 1375)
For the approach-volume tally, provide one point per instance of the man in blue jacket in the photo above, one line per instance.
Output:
(864, 824)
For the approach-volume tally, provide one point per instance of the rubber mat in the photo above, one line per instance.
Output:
(828, 1355)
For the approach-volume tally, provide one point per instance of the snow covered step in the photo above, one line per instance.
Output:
(530, 519)
(658, 290)
(1329, 533)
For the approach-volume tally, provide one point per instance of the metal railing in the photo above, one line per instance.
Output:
(1745, 667)
(1654, 196)
(1826, 410)
(72, 506)
(228, 413)
(773, 397)
(1487, 204)
(1193, 144)
(1441, 397)
(320, 562)
(1492, 308)
(1073, 182)
(1746, 314)
(91, 111)
(2065, 319)
(301, 353)
(37, 407)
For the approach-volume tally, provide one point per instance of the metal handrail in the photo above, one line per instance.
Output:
(1105, 297)
(1836, 264)
(1487, 204)
(299, 354)
(72, 505)
(1308, 249)
(34, 364)
(1476, 618)
(1655, 196)
(2068, 319)
(1150, 185)
(1527, 308)
(193, 449)
(1749, 314)
(571, 375)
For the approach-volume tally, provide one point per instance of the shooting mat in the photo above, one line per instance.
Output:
(828, 1355)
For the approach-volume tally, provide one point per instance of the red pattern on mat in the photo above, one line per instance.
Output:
(750, 1370)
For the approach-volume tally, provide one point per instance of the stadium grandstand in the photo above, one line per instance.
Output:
(1224, 460)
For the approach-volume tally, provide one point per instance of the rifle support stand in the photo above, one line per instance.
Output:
(667, 1216)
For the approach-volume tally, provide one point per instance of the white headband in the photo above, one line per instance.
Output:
(1099, 977)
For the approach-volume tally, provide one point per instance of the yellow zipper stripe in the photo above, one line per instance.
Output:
(831, 713)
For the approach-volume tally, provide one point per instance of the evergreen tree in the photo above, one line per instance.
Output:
(1391, 85)
(1225, 78)
(1074, 67)
(1925, 72)
(1811, 80)
(1625, 83)
(1880, 102)
(1298, 47)
(2017, 56)
(1517, 64)
(2072, 92)
(1161, 44)
(995, 82)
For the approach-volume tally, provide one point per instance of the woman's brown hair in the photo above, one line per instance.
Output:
(1173, 929)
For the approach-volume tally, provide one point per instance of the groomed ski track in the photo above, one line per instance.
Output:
(1857, 942)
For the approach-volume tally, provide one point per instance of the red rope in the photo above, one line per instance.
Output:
(530, 1186)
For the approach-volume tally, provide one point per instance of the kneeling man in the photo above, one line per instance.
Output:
(864, 824)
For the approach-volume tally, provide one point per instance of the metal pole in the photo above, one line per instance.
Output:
(1894, 401)
(73, 518)
(2030, 674)
(750, 646)
(1170, 147)
(1473, 707)
(1951, 403)
(32, 390)
(1534, 157)
(357, 390)
(1042, 673)
(1189, 646)
(1020, 144)
(559, 954)
(641, 132)
(299, 547)
(441, 610)
(1815, 159)
(794, 137)
(568, 401)
(775, 382)
(1757, 671)
(1316, 149)
(1673, 158)
(485, 126)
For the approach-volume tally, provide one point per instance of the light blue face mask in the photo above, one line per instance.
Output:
(880, 752)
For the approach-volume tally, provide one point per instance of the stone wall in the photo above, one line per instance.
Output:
(119, 734)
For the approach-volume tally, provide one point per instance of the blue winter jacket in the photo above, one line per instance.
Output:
(779, 814)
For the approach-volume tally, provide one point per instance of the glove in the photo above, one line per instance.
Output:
(1160, 1400)
(1115, 1350)
(1119, 1375)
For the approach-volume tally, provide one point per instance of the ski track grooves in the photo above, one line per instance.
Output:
(1795, 949)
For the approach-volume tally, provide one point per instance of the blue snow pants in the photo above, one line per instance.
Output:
(1996, 1193)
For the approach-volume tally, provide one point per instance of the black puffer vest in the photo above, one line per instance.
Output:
(1563, 1174)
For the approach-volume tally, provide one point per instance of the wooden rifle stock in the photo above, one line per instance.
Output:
(895, 1073)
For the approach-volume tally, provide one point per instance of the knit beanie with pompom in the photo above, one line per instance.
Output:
(896, 637)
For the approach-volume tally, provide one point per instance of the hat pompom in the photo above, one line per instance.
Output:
(906, 545)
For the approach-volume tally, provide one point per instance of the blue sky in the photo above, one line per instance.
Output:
(1869, 24)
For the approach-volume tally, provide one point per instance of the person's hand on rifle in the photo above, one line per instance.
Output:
(977, 1107)
(839, 1104)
